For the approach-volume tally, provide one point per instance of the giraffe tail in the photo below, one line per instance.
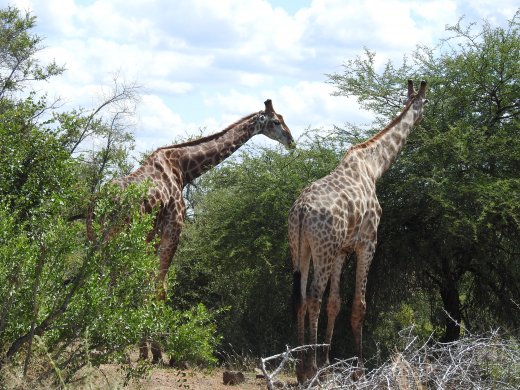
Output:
(296, 294)
(297, 298)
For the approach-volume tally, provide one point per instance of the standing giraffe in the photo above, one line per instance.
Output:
(169, 169)
(335, 216)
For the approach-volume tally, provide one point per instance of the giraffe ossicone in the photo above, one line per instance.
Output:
(169, 169)
(336, 216)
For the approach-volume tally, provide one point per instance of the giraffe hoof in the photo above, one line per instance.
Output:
(304, 373)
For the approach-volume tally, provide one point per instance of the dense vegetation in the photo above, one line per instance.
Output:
(65, 302)
(448, 249)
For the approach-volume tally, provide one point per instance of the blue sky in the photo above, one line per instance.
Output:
(203, 64)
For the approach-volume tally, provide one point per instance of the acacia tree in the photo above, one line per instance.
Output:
(451, 201)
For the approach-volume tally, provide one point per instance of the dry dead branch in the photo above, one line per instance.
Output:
(287, 357)
(483, 362)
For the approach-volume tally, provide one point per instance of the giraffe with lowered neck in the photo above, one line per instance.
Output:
(169, 169)
(336, 216)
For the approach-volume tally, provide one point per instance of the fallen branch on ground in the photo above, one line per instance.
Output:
(475, 362)
(287, 357)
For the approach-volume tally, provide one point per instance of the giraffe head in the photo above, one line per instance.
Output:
(417, 99)
(272, 125)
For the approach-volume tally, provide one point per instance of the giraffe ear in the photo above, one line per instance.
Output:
(269, 110)
(410, 89)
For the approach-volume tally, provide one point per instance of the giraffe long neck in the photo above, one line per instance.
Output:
(381, 150)
(201, 155)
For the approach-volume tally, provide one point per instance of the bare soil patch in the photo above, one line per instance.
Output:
(162, 378)
(193, 380)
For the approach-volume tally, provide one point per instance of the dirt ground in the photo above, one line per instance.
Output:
(164, 378)
(111, 377)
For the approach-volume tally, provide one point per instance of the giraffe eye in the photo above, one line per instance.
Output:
(276, 122)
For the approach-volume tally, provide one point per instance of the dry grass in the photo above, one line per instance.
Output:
(474, 362)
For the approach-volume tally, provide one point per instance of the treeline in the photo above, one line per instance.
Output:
(448, 251)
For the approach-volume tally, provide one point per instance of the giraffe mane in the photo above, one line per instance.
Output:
(208, 138)
(371, 140)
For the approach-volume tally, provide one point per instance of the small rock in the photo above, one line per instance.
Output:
(259, 374)
(233, 377)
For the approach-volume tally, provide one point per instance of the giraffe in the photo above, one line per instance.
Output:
(169, 169)
(338, 215)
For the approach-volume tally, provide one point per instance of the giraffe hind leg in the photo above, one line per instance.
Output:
(301, 257)
(299, 302)
(333, 303)
(317, 288)
(364, 259)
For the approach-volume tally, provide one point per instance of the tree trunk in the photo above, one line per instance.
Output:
(451, 302)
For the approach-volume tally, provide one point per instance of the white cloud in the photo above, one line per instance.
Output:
(205, 63)
(235, 104)
(311, 104)
(249, 79)
(155, 115)
(495, 12)
(63, 11)
(159, 125)
(169, 87)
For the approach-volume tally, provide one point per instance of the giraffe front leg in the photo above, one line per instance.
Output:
(170, 229)
(154, 346)
(170, 235)
(143, 349)
(167, 250)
